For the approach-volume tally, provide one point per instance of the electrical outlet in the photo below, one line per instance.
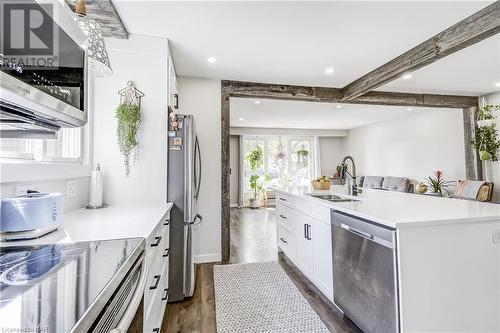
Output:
(71, 189)
(23, 189)
(496, 236)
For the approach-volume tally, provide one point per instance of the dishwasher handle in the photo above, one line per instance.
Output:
(356, 231)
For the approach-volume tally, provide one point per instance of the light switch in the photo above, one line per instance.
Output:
(496, 236)
(71, 189)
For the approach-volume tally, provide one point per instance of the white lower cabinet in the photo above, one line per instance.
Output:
(156, 289)
(308, 242)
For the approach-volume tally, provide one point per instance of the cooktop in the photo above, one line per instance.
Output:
(48, 288)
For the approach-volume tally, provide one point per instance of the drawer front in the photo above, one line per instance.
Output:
(284, 214)
(287, 241)
(154, 313)
(294, 202)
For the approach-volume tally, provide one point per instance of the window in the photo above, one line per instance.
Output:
(66, 148)
(287, 161)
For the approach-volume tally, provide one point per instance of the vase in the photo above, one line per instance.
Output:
(254, 203)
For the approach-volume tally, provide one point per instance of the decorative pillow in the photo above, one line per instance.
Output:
(373, 182)
(399, 184)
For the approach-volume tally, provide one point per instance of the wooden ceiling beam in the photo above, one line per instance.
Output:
(473, 29)
(334, 95)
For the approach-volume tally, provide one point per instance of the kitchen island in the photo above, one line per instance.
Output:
(446, 252)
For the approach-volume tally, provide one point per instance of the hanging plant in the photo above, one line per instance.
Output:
(485, 139)
(129, 120)
(280, 156)
(302, 156)
(256, 158)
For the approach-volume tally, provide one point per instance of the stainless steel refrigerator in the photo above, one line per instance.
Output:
(184, 180)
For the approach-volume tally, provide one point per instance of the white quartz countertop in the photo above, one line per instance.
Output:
(401, 210)
(113, 222)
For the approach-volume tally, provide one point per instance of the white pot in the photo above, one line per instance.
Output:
(484, 123)
(254, 203)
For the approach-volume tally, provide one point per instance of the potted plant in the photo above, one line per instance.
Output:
(129, 121)
(302, 156)
(485, 139)
(255, 159)
(438, 184)
(256, 189)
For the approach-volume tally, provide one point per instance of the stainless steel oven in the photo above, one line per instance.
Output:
(43, 93)
(365, 273)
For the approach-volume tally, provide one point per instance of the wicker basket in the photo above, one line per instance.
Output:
(321, 186)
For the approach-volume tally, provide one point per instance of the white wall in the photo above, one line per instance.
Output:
(332, 150)
(492, 169)
(143, 60)
(234, 152)
(201, 97)
(412, 146)
(53, 185)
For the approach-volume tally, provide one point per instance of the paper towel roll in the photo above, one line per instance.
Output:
(96, 187)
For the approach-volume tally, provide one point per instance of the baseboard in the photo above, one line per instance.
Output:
(233, 205)
(203, 258)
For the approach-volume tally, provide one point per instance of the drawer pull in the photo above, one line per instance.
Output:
(157, 241)
(167, 222)
(283, 240)
(157, 282)
(167, 252)
(165, 295)
(283, 216)
(156, 330)
(283, 199)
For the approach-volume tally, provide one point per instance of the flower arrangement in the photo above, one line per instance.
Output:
(437, 183)
(485, 139)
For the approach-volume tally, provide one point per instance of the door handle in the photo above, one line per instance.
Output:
(165, 295)
(283, 240)
(356, 231)
(157, 282)
(308, 231)
(157, 241)
(283, 216)
(167, 252)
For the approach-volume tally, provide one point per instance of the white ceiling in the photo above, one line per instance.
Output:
(293, 42)
(309, 115)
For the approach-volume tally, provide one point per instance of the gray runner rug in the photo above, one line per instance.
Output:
(260, 297)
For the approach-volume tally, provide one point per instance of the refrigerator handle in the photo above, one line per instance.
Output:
(197, 172)
(194, 224)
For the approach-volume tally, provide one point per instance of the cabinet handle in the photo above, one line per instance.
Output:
(157, 282)
(157, 241)
(167, 222)
(305, 231)
(282, 199)
(156, 330)
(283, 240)
(165, 295)
(283, 216)
(167, 252)
(308, 231)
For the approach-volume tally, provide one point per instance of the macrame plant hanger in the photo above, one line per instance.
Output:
(131, 95)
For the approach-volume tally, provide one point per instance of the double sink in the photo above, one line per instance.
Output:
(330, 197)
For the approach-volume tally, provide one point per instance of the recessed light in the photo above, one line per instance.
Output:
(339, 106)
(497, 84)
(256, 102)
(329, 70)
(407, 76)
(212, 60)
(241, 119)
(409, 109)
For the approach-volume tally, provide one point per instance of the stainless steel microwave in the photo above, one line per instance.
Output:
(41, 94)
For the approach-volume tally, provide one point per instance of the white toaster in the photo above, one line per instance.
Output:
(30, 216)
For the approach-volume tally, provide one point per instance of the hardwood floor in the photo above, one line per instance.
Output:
(253, 235)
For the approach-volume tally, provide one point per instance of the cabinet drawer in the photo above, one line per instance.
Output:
(159, 296)
(295, 203)
(286, 241)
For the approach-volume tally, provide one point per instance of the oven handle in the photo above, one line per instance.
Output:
(129, 314)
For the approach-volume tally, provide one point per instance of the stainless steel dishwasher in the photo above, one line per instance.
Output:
(365, 273)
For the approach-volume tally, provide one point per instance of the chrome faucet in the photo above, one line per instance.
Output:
(343, 172)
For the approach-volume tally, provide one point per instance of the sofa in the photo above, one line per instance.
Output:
(388, 183)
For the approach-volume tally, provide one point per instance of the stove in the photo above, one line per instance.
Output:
(65, 288)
